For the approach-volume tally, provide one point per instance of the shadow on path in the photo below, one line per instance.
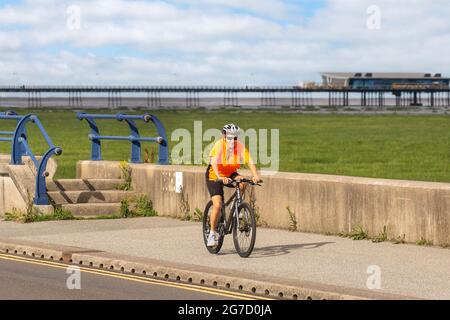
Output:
(278, 250)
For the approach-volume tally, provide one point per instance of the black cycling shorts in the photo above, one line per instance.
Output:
(215, 188)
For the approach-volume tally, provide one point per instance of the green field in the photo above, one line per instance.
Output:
(382, 146)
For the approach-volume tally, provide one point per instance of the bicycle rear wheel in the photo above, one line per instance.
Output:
(244, 236)
(207, 228)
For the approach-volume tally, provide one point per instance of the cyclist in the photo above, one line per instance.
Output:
(226, 158)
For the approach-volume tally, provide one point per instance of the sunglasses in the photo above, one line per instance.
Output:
(231, 138)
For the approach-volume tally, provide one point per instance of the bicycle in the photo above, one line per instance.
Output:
(241, 222)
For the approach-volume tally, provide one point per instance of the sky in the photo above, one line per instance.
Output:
(217, 42)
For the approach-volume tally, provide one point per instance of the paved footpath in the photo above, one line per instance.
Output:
(407, 270)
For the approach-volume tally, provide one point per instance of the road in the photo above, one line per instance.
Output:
(29, 279)
(407, 270)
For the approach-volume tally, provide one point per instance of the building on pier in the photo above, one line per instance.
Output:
(387, 80)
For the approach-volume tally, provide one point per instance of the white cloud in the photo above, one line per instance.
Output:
(217, 42)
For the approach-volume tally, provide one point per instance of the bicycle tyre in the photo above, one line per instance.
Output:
(206, 228)
(252, 223)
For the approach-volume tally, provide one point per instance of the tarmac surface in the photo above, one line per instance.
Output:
(405, 269)
(30, 281)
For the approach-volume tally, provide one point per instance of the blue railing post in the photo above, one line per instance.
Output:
(41, 197)
(163, 153)
(134, 138)
(20, 148)
(96, 148)
(8, 114)
(135, 143)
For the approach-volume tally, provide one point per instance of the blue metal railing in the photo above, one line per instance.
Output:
(20, 148)
(9, 134)
(134, 137)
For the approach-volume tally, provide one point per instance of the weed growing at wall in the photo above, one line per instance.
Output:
(125, 211)
(58, 214)
(32, 215)
(381, 237)
(424, 242)
(357, 233)
(399, 239)
(143, 207)
(149, 156)
(140, 206)
(197, 215)
(126, 176)
(252, 202)
(292, 220)
(183, 206)
(15, 215)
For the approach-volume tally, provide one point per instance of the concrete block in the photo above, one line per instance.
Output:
(10, 197)
(83, 184)
(105, 196)
(92, 209)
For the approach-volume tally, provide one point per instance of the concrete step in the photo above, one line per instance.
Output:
(75, 197)
(92, 209)
(5, 158)
(4, 169)
(83, 185)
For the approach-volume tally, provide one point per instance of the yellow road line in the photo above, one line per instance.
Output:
(189, 287)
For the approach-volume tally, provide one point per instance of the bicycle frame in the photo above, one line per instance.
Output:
(236, 200)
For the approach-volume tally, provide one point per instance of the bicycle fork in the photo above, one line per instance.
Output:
(236, 204)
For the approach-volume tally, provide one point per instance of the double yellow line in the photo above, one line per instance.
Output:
(134, 278)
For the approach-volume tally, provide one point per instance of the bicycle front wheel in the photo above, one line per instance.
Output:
(244, 232)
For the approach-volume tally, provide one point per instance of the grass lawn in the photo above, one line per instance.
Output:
(382, 146)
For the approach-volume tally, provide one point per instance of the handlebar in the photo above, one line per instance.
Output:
(244, 180)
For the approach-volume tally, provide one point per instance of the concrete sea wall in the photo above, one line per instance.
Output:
(321, 203)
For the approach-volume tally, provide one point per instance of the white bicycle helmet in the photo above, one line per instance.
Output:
(231, 130)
